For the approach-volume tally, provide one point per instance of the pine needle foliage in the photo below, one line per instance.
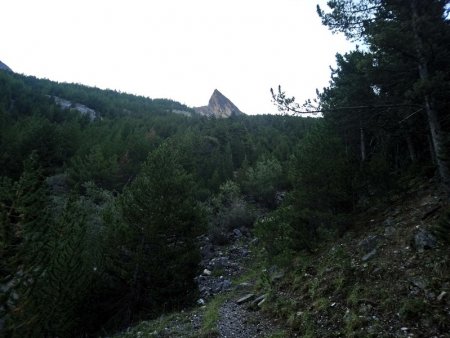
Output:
(160, 256)
(49, 259)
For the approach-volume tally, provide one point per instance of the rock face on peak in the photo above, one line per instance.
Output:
(219, 106)
(4, 67)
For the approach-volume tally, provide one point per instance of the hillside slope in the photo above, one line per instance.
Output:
(4, 67)
(386, 277)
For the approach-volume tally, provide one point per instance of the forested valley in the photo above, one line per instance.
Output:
(101, 207)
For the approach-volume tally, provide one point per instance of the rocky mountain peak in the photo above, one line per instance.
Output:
(4, 67)
(219, 106)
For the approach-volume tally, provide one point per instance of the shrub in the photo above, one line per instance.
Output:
(276, 235)
(228, 210)
(412, 308)
(320, 201)
(262, 181)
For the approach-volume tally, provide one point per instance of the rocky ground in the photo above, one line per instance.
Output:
(227, 306)
(239, 315)
(237, 321)
(388, 276)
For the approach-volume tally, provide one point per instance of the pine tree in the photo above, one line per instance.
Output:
(162, 221)
(49, 258)
(322, 187)
(25, 228)
(412, 30)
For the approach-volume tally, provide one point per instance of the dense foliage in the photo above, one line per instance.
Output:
(103, 194)
(389, 99)
(100, 207)
(386, 115)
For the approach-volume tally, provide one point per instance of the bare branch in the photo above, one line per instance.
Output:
(288, 104)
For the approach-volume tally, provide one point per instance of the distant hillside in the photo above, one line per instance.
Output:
(136, 123)
(4, 67)
(219, 106)
(107, 103)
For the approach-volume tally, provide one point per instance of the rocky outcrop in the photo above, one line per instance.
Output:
(182, 112)
(4, 67)
(220, 265)
(219, 106)
(81, 108)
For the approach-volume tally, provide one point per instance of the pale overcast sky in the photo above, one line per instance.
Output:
(177, 49)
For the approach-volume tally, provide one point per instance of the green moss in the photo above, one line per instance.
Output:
(321, 304)
(338, 282)
(412, 309)
(279, 334)
(154, 328)
(211, 317)
(354, 296)
(218, 272)
(314, 287)
(307, 325)
(353, 324)
(388, 303)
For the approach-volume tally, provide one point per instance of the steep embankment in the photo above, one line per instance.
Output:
(388, 277)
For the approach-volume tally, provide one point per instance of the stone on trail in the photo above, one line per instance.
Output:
(257, 302)
(368, 244)
(369, 255)
(424, 240)
(441, 296)
(245, 299)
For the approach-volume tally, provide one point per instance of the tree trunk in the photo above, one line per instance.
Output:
(136, 283)
(438, 145)
(431, 147)
(437, 134)
(412, 151)
(363, 145)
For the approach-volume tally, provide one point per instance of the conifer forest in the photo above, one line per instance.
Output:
(104, 196)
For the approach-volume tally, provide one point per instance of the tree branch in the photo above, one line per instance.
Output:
(288, 104)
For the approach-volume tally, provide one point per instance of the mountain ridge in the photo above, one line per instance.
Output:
(4, 67)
